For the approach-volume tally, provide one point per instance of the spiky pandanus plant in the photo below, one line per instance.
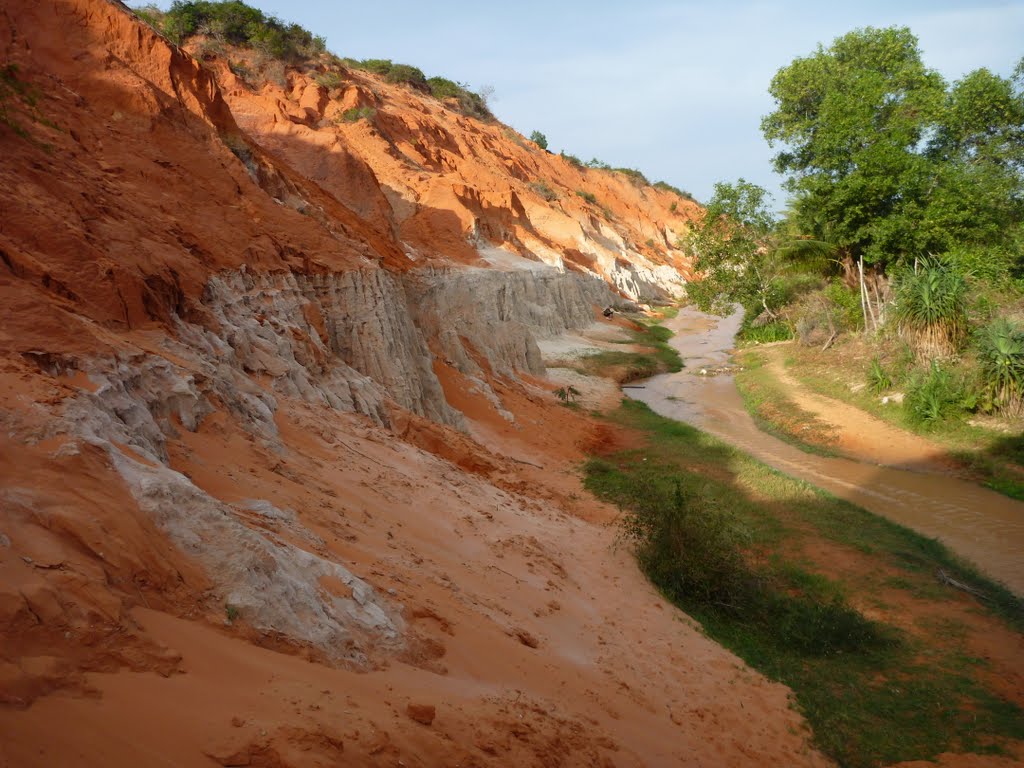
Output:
(1001, 354)
(930, 310)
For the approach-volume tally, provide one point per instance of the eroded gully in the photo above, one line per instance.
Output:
(978, 524)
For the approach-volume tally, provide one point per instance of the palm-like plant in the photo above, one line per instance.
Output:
(930, 310)
(1001, 354)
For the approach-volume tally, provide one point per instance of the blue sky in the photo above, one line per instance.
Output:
(676, 89)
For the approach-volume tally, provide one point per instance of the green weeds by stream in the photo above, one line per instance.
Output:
(774, 413)
(723, 537)
(631, 366)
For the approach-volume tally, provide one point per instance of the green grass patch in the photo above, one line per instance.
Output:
(722, 534)
(766, 334)
(775, 413)
(658, 357)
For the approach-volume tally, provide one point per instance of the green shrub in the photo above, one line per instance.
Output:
(878, 380)
(935, 395)
(239, 69)
(376, 66)
(470, 103)
(151, 14)
(330, 80)
(234, 22)
(931, 309)
(18, 98)
(209, 49)
(358, 113)
(673, 206)
(406, 74)
(988, 264)
(443, 88)
(539, 139)
(590, 197)
(845, 306)
(635, 176)
(695, 550)
(779, 330)
(598, 164)
(1001, 355)
(572, 160)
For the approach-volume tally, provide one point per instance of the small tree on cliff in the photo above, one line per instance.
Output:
(539, 139)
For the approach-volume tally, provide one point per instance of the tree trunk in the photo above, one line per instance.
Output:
(863, 293)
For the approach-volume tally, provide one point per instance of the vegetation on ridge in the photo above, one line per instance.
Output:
(235, 23)
(232, 22)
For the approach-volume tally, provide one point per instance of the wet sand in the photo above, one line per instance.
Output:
(976, 523)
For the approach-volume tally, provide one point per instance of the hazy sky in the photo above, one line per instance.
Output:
(676, 89)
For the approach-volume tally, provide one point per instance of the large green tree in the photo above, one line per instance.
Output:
(886, 162)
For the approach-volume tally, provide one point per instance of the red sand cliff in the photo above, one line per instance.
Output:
(242, 521)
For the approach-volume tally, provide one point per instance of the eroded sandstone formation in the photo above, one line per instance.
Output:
(276, 467)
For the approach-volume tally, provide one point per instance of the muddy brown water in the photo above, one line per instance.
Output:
(976, 523)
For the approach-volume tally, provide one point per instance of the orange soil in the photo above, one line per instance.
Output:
(537, 641)
(857, 434)
(534, 638)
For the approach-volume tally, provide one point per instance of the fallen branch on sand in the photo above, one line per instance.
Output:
(945, 578)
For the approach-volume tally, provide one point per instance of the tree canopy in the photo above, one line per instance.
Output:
(888, 162)
(735, 249)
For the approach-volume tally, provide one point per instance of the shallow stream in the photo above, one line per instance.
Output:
(981, 525)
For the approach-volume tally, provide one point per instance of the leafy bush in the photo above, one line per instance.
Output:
(598, 164)
(931, 310)
(1001, 355)
(443, 88)
(539, 139)
(240, 69)
(567, 394)
(358, 113)
(470, 103)
(845, 305)
(992, 265)
(376, 66)
(406, 74)
(590, 197)
(572, 160)
(234, 22)
(151, 14)
(935, 396)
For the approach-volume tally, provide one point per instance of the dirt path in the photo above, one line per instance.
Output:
(980, 525)
(859, 435)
